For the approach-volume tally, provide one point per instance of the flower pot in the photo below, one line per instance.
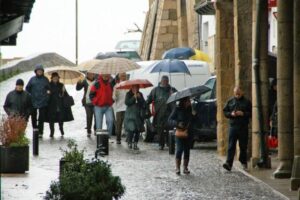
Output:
(14, 159)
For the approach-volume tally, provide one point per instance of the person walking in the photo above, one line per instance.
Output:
(101, 96)
(238, 111)
(159, 96)
(120, 107)
(86, 102)
(18, 102)
(57, 111)
(134, 121)
(181, 118)
(38, 88)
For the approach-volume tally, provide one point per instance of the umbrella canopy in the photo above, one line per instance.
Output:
(106, 55)
(143, 83)
(200, 55)
(67, 74)
(113, 66)
(87, 65)
(179, 53)
(188, 92)
(170, 66)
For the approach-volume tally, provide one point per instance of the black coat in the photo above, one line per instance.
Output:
(234, 104)
(37, 87)
(85, 85)
(56, 111)
(182, 118)
(18, 103)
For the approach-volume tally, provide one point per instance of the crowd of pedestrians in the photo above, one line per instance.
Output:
(124, 111)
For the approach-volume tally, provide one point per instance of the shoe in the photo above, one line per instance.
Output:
(129, 145)
(186, 171)
(118, 141)
(227, 167)
(177, 171)
(135, 147)
(244, 166)
(62, 132)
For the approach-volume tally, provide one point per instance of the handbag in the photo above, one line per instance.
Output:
(68, 101)
(181, 133)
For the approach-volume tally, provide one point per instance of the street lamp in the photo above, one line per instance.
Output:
(76, 32)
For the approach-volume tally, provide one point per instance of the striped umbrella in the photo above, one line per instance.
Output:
(113, 66)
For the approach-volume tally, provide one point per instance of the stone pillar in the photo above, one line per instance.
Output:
(264, 82)
(224, 61)
(192, 26)
(295, 181)
(182, 23)
(285, 88)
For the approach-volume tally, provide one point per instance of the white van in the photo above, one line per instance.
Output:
(199, 74)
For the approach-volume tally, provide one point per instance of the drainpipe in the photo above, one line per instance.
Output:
(153, 30)
(263, 152)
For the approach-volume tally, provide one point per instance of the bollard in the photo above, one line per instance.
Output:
(172, 142)
(102, 141)
(35, 142)
(62, 162)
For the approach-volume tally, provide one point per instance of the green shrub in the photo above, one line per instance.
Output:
(84, 179)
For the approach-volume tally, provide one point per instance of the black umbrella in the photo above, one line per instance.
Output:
(188, 92)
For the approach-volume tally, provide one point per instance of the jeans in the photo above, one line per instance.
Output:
(135, 136)
(237, 133)
(119, 123)
(183, 146)
(109, 116)
(89, 110)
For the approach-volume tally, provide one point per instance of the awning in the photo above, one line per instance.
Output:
(205, 7)
(13, 13)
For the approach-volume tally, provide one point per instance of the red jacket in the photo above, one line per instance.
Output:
(101, 93)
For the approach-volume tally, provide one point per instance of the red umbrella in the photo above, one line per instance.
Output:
(143, 83)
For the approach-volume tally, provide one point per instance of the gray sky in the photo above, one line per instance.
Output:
(102, 23)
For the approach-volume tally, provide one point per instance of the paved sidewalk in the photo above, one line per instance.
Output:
(148, 174)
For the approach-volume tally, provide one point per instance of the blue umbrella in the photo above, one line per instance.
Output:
(179, 53)
(170, 66)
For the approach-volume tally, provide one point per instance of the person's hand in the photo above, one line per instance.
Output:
(233, 114)
(194, 112)
(239, 113)
(48, 92)
(138, 95)
(271, 123)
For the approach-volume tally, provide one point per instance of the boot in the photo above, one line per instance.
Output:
(135, 147)
(178, 163)
(61, 128)
(185, 165)
(51, 130)
(129, 145)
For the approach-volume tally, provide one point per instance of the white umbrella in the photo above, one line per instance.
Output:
(67, 74)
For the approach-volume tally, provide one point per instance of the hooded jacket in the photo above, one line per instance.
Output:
(101, 93)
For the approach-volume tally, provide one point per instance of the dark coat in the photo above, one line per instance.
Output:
(85, 85)
(182, 118)
(234, 104)
(134, 120)
(159, 95)
(37, 87)
(18, 103)
(56, 111)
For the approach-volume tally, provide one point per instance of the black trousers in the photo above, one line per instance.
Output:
(237, 133)
(38, 118)
(133, 136)
(52, 129)
(119, 124)
(89, 110)
(162, 134)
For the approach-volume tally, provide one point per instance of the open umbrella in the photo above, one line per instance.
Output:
(188, 92)
(179, 53)
(170, 66)
(200, 55)
(113, 66)
(67, 74)
(87, 65)
(143, 83)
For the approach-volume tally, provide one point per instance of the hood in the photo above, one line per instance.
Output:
(39, 67)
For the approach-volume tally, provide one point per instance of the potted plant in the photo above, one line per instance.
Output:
(14, 145)
(84, 179)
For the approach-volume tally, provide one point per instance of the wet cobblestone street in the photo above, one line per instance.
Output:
(147, 174)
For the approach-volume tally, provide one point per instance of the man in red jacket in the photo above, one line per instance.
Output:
(101, 97)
